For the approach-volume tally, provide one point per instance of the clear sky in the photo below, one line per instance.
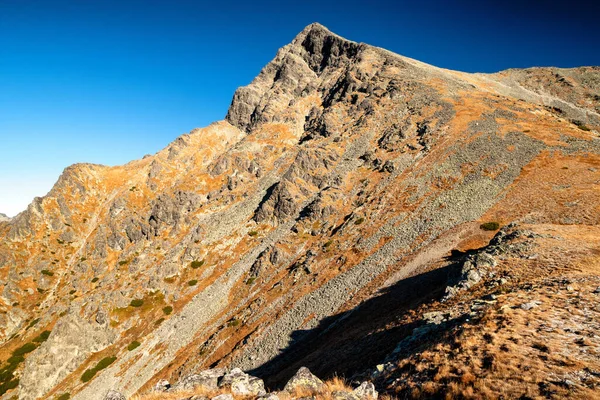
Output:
(107, 81)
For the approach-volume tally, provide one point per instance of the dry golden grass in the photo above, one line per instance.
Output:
(547, 351)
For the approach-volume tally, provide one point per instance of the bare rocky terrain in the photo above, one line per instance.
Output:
(359, 213)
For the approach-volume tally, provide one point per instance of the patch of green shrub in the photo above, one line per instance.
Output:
(47, 272)
(6, 386)
(490, 226)
(91, 372)
(136, 303)
(167, 310)
(233, 322)
(42, 337)
(253, 233)
(60, 241)
(40, 290)
(359, 221)
(123, 262)
(197, 264)
(95, 279)
(26, 348)
(328, 243)
(193, 282)
(72, 291)
(133, 345)
(88, 375)
(32, 323)
(6, 373)
(15, 359)
(159, 321)
(64, 396)
(250, 281)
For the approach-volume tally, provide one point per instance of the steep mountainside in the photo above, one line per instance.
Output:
(317, 225)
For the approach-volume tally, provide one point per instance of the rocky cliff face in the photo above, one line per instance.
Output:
(340, 171)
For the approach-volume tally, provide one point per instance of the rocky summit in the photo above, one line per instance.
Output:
(390, 227)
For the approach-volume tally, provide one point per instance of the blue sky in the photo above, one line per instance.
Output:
(108, 81)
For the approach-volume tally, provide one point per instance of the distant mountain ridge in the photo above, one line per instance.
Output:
(319, 224)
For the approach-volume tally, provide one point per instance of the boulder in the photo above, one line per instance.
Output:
(114, 395)
(343, 395)
(162, 386)
(366, 390)
(304, 379)
(529, 305)
(225, 396)
(268, 396)
(207, 379)
(243, 384)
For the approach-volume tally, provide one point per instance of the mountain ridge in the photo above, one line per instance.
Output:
(340, 169)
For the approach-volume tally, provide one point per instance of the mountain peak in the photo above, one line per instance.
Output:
(315, 29)
(298, 69)
(348, 191)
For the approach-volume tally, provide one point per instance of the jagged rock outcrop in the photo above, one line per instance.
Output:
(71, 342)
(208, 379)
(217, 383)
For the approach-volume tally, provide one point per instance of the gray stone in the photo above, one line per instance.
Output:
(343, 395)
(207, 379)
(114, 395)
(530, 305)
(304, 379)
(225, 396)
(162, 386)
(243, 384)
(366, 390)
(268, 396)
